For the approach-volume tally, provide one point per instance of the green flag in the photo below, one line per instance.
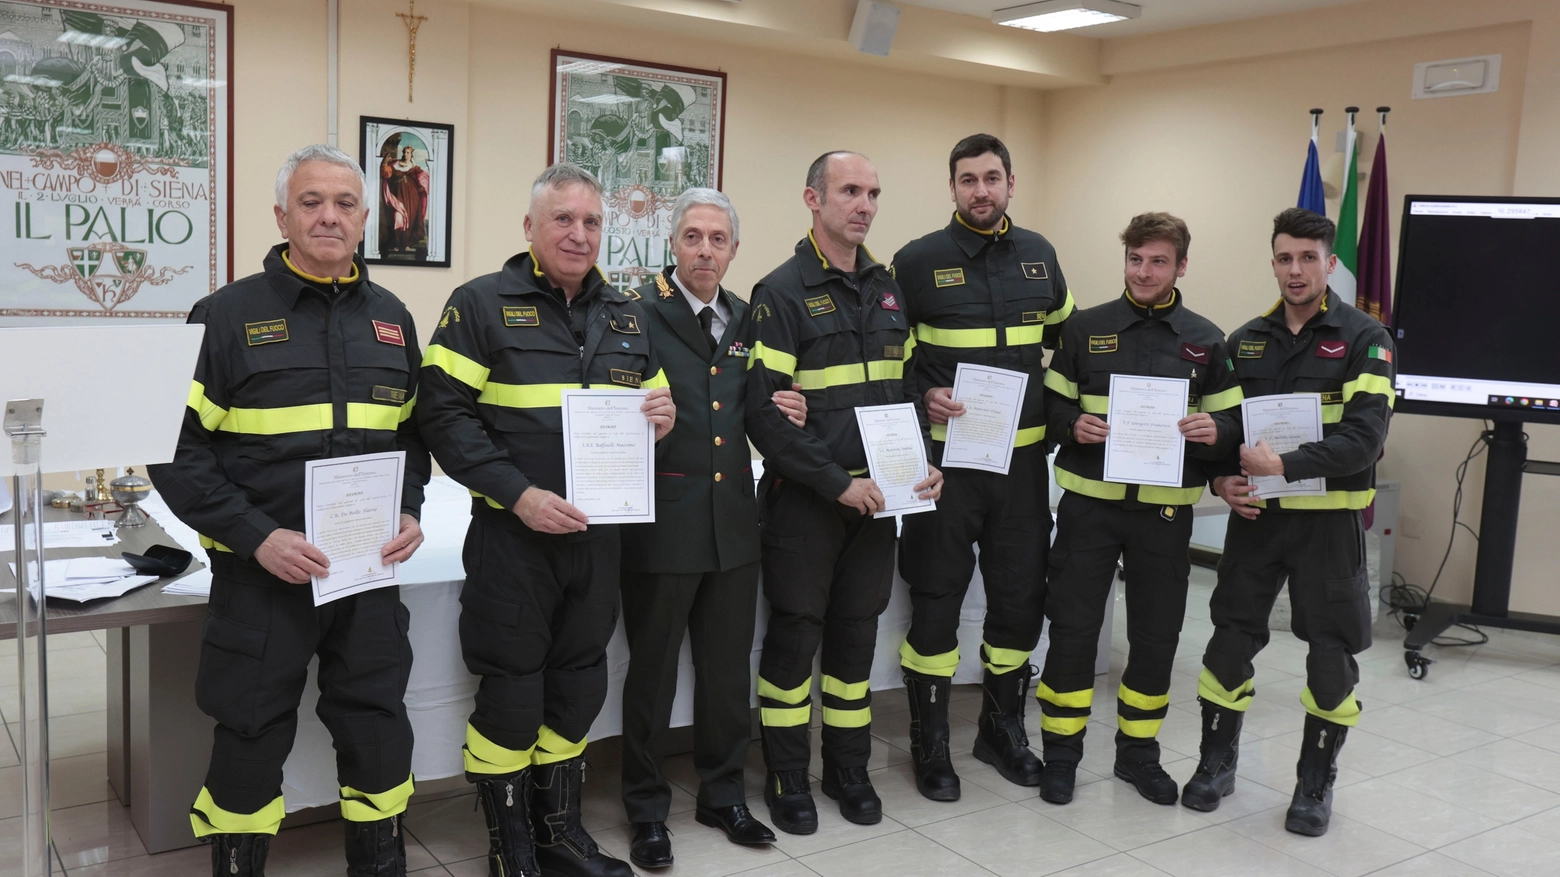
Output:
(1348, 244)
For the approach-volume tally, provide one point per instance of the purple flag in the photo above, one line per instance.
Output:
(1374, 290)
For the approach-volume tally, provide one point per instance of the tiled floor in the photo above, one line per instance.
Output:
(1453, 776)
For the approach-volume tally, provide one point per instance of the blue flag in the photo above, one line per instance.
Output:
(1311, 197)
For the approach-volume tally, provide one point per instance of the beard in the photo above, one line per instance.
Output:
(987, 224)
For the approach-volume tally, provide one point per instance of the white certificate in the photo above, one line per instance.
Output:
(609, 456)
(1285, 422)
(896, 456)
(353, 507)
(1144, 445)
(983, 436)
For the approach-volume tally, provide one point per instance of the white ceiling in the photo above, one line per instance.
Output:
(1158, 15)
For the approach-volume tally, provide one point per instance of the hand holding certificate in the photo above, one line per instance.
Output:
(1145, 444)
(609, 456)
(896, 458)
(353, 510)
(983, 436)
(1285, 422)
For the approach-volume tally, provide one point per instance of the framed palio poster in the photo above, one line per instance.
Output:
(409, 176)
(115, 158)
(648, 132)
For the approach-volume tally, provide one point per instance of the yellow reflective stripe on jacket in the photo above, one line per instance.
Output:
(1057, 381)
(1156, 495)
(845, 690)
(1061, 313)
(467, 371)
(655, 381)
(963, 338)
(851, 373)
(1022, 439)
(209, 412)
(1092, 404)
(1220, 401)
(359, 806)
(278, 421)
(1370, 383)
(367, 415)
(488, 499)
(1332, 412)
(211, 544)
(1018, 336)
(1335, 499)
(525, 395)
(773, 359)
(1088, 486)
(408, 408)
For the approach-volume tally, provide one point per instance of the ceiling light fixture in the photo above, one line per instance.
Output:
(1054, 15)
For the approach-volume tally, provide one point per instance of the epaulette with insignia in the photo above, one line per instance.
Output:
(633, 294)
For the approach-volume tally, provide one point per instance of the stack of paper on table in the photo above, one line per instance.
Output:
(63, 534)
(80, 579)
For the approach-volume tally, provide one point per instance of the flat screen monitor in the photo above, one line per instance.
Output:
(1477, 316)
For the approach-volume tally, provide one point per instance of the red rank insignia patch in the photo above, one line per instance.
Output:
(1332, 349)
(1194, 353)
(890, 303)
(389, 333)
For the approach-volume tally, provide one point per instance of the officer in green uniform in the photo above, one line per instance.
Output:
(540, 599)
(828, 319)
(306, 360)
(985, 292)
(1148, 332)
(696, 568)
(1309, 342)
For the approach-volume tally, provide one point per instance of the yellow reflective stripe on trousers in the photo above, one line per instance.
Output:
(784, 695)
(1058, 382)
(553, 747)
(207, 818)
(1332, 412)
(852, 373)
(774, 360)
(1221, 400)
(928, 665)
(464, 369)
(1078, 700)
(1000, 661)
(1088, 486)
(1022, 439)
(278, 421)
(1139, 700)
(1061, 313)
(1140, 728)
(962, 338)
(1155, 495)
(483, 756)
(1209, 689)
(845, 690)
(1335, 499)
(1064, 725)
(773, 717)
(359, 806)
(1092, 404)
(857, 718)
(1370, 383)
(209, 412)
(367, 415)
(1346, 713)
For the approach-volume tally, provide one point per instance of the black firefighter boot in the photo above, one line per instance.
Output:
(1311, 808)
(506, 805)
(376, 849)
(1215, 776)
(563, 848)
(1002, 741)
(934, 775)
(239, 855)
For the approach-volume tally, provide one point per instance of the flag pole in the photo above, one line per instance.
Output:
(1316, 122)
(1381, 118)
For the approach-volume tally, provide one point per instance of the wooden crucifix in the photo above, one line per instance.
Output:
(413, 21)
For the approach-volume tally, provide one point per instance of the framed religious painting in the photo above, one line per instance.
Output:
(116, 156)
(410, 181)
(648, 132)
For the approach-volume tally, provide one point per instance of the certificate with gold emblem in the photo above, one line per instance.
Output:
(609, 455)
(353, 509)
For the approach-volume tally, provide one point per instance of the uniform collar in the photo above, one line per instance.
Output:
(523, 276)
(721, 302)
(1173, 313)
(290, 283)
(1329, 315)
(816, 268)
(970, 239)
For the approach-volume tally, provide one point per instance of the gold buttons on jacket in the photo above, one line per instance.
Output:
(714, 370)
(715, 405)
(719, 441)
(719, 477)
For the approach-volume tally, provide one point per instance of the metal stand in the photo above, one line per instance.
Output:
(1503, 470)
(24, 424)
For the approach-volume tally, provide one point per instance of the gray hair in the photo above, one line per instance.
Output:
(711, 197)
(316, 152)
(564, 174)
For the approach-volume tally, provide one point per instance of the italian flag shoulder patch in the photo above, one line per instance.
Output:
(1376, 351)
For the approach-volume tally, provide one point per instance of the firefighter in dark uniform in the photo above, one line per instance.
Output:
(540, 599)
(696, 568)
(306, 360)
(986, 292)
(829, 320)
(1309, 342)
(1147, 332)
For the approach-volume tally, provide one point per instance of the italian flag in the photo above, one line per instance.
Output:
(1348, 243)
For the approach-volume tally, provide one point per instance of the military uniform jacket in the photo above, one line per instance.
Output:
(290, 371)
(506, 347)
(1124, 338)
(844, 339)
(706, 518)
(1345, 355)
(985, 298)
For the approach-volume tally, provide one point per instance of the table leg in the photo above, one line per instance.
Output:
(170, 738)
(119, 713)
